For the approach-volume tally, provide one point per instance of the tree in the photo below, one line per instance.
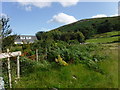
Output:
(56, 35)
(8, 42)
(80, 36)
(4, 30)
(39, 35)
(105, 26)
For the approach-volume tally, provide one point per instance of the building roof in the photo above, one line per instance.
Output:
(26, 38)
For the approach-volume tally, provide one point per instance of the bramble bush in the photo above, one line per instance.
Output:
(75, 54)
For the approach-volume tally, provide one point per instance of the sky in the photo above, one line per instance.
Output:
(27, 18)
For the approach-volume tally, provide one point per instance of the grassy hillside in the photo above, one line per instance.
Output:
(87, 22)
(109, 37)
(81, 30)
(50, 75)
(92, 24)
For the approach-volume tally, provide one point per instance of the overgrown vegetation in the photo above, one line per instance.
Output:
(65, 61)
(89, 74)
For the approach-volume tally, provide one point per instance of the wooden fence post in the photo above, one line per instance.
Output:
(9, 70)
(8, 55)
(46, 53)
(37, 55)
(18, 67)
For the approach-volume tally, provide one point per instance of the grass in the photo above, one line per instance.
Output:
(103, 40)
(46, 74)
(105, 37)
(108, 34)
(73, 75)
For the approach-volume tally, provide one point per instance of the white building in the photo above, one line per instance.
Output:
(25, 39)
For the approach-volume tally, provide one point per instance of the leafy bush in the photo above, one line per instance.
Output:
(27, 65)
(76, 53)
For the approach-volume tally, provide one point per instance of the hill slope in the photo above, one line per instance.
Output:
(109, 37)
(92, 26)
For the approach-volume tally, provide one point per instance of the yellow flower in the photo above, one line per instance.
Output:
(61, 61)
(56, 60)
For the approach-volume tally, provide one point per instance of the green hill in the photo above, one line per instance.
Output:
(83, 29)
(109, 37)
(85, 23)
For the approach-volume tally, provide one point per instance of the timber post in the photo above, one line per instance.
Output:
(9, 70)
(37, 55)
(8, 55)
(18, 67)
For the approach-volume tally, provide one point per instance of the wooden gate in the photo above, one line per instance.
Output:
(8, 55)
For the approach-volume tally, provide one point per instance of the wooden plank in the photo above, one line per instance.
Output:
(10, 54)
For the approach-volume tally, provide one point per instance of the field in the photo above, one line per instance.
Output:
(73, 76)
(77, 75)
(105, 38)
(82, 54)
(102, 72)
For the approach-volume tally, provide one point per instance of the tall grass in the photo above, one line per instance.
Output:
(92, 70)
(51, 75)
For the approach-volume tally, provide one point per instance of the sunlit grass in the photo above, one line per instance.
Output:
(74, 75)
(108, 34)
(103, 40)
(105, 37)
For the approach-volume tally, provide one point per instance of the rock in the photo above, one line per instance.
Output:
(74, 77)
(54, 89)
(1, 84)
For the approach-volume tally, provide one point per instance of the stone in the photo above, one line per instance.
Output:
(1, 84)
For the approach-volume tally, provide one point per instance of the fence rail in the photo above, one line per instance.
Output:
(10, 54)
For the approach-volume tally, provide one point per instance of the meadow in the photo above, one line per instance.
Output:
(94, 66)
(83, 54)
(105, 38)
(73, 75)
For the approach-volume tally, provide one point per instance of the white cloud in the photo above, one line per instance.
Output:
(38, 4)
(41, 4)
(61, 0)
(67, 3)
(44, 3)
(28, 5)
(63, 18)
(99, 16)
(103, 15)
